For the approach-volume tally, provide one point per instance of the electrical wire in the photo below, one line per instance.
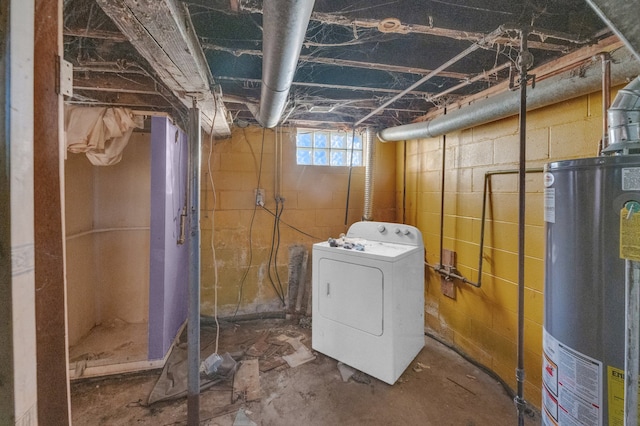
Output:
(246, 271)
(276, 285)
(291, 226)
(253, 216)
(278, 249)
(213, 211)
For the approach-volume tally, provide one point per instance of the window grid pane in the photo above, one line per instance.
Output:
(328, 148)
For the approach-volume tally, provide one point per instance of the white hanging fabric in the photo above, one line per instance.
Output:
(101, 133)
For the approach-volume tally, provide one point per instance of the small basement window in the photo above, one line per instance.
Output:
(328, 148)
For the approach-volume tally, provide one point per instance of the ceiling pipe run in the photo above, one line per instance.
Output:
(552, 90)
(284, 27)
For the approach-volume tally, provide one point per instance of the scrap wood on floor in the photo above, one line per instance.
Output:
(247, 356)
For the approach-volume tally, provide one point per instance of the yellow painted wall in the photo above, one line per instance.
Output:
(483, 322)
(315, 198)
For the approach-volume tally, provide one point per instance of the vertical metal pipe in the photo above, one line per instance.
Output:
(632, 328)
(193, 322)
(524, 63)
(444, 154)
(370, 151)
(606, 97)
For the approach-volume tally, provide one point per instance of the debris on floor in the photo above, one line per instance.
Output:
(419, 367)
(172, 383)
(347, 372)
(301, 355)
(242, 419)
(262, 389)
(246, 383)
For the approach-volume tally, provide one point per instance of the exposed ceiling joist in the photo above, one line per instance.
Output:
(622, 17)
(161, 32)
(340, 62)
(328, 86)
(392, 25)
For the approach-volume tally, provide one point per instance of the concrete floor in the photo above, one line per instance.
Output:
(438, 388)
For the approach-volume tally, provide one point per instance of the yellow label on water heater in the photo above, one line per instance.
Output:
(630, 232)
(615, 384)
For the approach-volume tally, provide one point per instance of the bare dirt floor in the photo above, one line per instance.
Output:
(438, 388)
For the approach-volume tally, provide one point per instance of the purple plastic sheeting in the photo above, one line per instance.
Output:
(169, 259)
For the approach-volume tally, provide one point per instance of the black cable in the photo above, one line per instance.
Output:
(271, 253)
(246, 271)
(291, 226)
(278, 248)
(255, 207)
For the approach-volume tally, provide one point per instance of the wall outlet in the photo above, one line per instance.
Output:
(259, 196)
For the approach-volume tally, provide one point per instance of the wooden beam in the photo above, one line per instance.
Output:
(97, 34)
(51, 342)
(161, 31)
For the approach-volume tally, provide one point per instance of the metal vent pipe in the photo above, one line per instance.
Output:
(624, 114)
(552, 90)
(369, 141)
(284, 27)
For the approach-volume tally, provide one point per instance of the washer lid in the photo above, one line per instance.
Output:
(373, 249)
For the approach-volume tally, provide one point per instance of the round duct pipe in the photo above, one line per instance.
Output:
(284, 27)
(552, 90)
(369, 140)
(624, 121)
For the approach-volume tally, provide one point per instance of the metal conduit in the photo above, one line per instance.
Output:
(193, 322)
(552, 90)
(524, 62)
(284, 27)
(483, 220)
(369, 137)
(606, 97)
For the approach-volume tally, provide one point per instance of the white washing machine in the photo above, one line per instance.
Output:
(368, 306)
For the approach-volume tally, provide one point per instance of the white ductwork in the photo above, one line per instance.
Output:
(624, 117)
(284, 27)
(369, 140)
(552, 90)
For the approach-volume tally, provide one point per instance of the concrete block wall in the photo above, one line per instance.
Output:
(483, 322)
(315, 201)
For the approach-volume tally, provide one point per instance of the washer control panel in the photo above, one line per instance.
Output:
(386, 232)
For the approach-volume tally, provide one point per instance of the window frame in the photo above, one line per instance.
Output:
(321, 150)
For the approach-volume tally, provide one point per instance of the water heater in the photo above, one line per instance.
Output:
(583, 336)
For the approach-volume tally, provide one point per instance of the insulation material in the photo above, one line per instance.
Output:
(101, 133)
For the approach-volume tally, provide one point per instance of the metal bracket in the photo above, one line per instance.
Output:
(447, 286)
(64, 77)
(515, 86)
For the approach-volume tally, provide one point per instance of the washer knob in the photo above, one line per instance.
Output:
(398, 231)
(381, 228)
(406, 231)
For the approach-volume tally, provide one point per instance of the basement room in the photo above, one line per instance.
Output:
(319, 212)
